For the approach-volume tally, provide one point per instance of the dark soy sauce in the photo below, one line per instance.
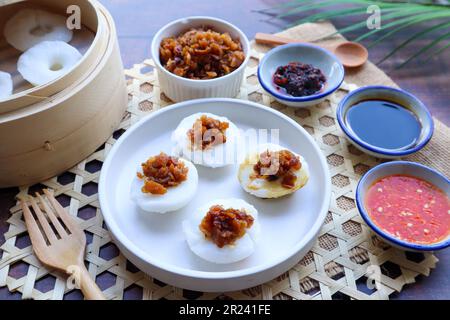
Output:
(384, 124)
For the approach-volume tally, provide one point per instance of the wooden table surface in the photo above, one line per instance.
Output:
(138, 20)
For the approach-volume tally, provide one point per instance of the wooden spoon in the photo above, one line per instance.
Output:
(351, 54)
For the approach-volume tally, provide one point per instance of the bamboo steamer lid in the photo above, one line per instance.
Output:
(43, 139)
(28, 94)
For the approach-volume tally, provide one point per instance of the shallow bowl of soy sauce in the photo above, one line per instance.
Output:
(385, 122)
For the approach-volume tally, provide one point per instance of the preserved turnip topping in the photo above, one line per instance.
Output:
(201, 54)
(161, 172)
(207, 132)
(278, 165)
(225, 226)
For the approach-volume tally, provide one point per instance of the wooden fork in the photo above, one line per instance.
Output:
(58, 241)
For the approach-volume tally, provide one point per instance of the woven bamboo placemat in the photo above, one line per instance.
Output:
(347, 261)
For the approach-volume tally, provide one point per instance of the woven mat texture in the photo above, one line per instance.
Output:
(346, 262)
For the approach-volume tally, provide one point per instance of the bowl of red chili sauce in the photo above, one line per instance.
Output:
(407, 204)
(299, 74)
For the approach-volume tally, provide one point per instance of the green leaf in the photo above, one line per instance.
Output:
(426, 48)
(396, 14)
(415, 21)
(438, 52)
(414, 37)
(358, 25)
(420, 17)
(331, 14)
(304, 6)
(362, 5)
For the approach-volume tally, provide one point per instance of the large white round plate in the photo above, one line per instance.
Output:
(155, 243)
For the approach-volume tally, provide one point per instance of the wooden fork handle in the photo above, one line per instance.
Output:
(270, 39)
(265, 38)
(88, 286)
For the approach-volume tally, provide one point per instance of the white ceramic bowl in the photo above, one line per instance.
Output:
(320, 58)
(156, 243)
(180, 89)
(402, 168)
(390, 94)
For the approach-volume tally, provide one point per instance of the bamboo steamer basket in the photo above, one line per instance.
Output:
(89, 41)
(47, 137)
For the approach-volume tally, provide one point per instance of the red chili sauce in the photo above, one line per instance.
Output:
(409, 208)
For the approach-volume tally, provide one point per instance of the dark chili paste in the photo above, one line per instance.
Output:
(299, 79)
(161, 172)
(225, 226)
(207, 132)
(278, 165)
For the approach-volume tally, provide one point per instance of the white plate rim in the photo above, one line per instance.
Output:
(207, 275)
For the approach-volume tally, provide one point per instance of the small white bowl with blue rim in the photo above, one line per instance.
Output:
(389, 94)
(318, 57)
(400, 168)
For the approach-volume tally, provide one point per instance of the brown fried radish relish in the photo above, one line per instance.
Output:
(201, 54)
(278, 165)
(207, 132)
(225, 226)
(161, 172)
